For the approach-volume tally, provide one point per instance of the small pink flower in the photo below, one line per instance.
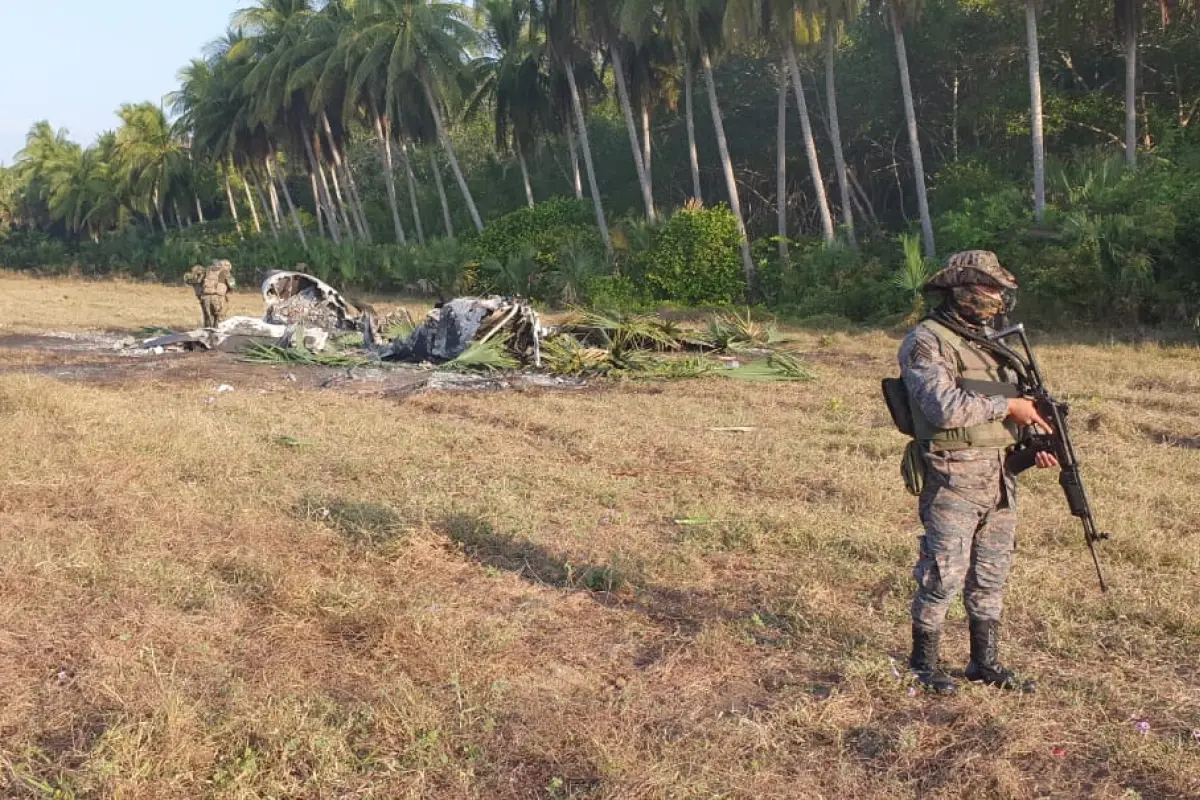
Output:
(1142, 726)
(912, 691)
(1196, 735)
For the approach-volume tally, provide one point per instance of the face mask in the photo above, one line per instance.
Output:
(975, 306)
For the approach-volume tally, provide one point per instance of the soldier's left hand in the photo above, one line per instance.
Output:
(1045, 460)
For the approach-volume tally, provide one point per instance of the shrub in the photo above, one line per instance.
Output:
(546, 228)
(693, 258)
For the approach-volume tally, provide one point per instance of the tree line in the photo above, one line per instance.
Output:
(293, 94)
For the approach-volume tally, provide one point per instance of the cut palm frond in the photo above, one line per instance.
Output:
(776, 367)
(564, 355)
(644, 331)
(273, 354)
(490, 356)
(732, 331)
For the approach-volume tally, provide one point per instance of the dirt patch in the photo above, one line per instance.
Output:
(93, 359)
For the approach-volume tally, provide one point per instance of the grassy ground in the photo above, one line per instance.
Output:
(287, 592)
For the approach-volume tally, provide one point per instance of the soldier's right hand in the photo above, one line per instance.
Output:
(1023, 412)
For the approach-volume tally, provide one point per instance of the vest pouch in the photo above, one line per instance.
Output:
(912, 468)
(212, 282)
(895, 394)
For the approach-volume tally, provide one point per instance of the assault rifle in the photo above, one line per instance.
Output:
(1059, 443)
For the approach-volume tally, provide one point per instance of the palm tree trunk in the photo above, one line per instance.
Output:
(693, 158)
(287, 196)
(266, 209)
(323, 197)
(441, 187)
(1035, 109)
(914, 142)
(318, 205)
(448, 146)
(199, 208)
(835, 133)
(356, 204)
(581, 128)
(810, 145)
(250, 202)
(1131, 88)
(576, 180)
(627, 112)
(647, 145)
(232, 205)
(412, 192)
(336, 199)
(178, 216)
(525, 176)
(339, 165)
(385, 141)
(158, 208)
(781, 192)
(342, 208)
(273, 194)
(735, 202)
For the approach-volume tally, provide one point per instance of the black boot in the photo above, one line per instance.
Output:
(924, 662)
(985, 664)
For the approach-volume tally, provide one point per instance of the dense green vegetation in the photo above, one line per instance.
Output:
(547, 148)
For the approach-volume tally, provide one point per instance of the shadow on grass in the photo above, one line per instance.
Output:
(531, 561)
(360, 522)
(611, 585)
(1170, 439)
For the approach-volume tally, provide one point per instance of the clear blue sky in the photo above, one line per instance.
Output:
(74, 62)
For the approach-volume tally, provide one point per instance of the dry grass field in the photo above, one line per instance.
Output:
(290, 592)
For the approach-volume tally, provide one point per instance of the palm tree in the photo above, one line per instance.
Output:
(510, 75)
(678, 19)
(35, 164)
(603, 22)
(1035, 112)
(781, 192)
(706, 25)
(560, 26)
(794, 25)
(898, 10)
(837, 13)
(1129, 19)
(148, 155)
(425, 43)
(651, 60)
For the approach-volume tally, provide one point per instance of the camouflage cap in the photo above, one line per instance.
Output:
(972, 268)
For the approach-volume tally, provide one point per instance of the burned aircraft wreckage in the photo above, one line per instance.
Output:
(302, 310)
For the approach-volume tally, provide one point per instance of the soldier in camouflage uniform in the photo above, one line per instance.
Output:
(212, 284)
(968, 501)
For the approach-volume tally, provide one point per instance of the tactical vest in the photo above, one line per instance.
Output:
(974, 365)
(213, 282)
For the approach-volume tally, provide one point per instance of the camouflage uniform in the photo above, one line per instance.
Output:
(212, 284)
(968, 505)
(968, 502)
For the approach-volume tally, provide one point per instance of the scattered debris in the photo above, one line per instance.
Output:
(224, 387)
(294, 298)
(735, 429)
(454, 328)
(307, 322)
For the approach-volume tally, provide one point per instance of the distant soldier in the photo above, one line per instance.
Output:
(965, 417)
(212, 284)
